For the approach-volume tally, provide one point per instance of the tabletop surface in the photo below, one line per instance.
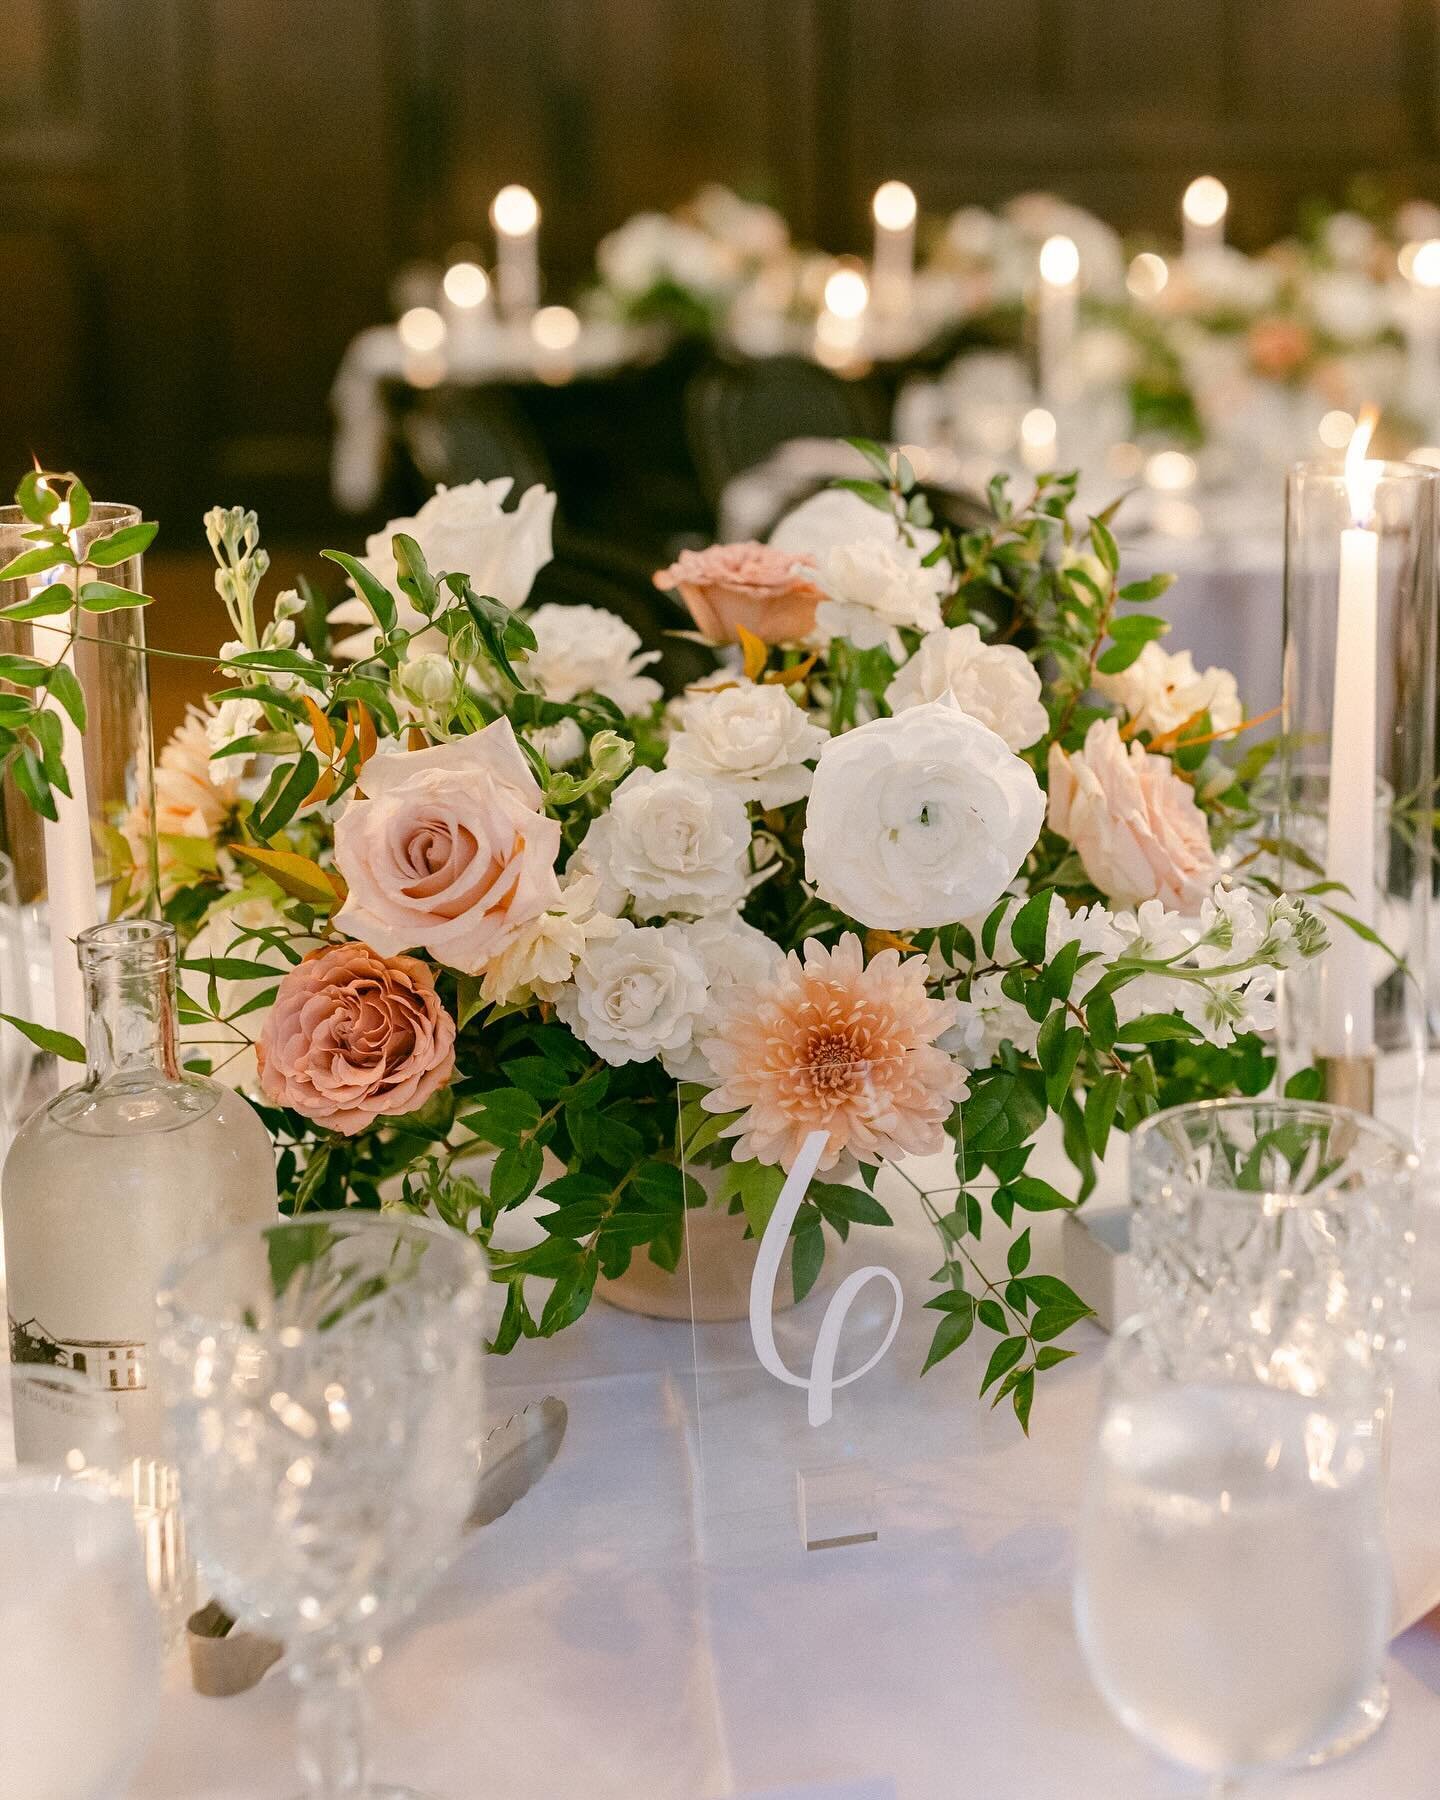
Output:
(608, 1638)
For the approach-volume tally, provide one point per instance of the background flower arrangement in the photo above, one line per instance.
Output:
(945, 845)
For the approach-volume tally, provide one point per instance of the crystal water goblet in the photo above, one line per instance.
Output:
(325, 1385)
(1233, 1592)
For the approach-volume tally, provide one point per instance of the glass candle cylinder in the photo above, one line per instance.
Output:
(1353, 783)
(96, 859)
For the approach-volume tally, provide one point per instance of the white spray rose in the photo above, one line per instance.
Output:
(995, 683)
(635, 995)
(543, 954)
(919, 820)
(589, 650)
(733, 954)
(1161, 690)
(674, 843)
(872, 589)
(461, 530)
(750, 738)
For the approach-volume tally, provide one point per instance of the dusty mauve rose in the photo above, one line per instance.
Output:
(449, 852)
(1133, 821)
(354, 1037)
(754, 585)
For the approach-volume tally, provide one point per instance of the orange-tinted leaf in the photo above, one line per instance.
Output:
(368, 739)
(755, 651)
(788, 677)
(322, 789)
(320, 725)
(296, 875)
(887, 940)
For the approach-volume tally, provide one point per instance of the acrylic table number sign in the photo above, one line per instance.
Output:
(806, 1411)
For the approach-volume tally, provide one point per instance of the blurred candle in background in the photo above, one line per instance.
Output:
(893, 270)
(1056, 313)
(515, 214)
(1202, 211)
(465, 302)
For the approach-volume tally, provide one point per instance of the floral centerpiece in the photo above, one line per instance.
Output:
(945, 846)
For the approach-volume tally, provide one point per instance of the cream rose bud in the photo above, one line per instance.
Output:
(1133, 821)
(872, 588)
(588, 650)
(919, 820)
(449, 852)
(560, 744)
(995, 683)
(635, 995)
(461, 530)
(674, 843)
(1161, 690)
(427, 681)
(751, 738)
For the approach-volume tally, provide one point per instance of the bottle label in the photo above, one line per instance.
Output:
(113, 1365)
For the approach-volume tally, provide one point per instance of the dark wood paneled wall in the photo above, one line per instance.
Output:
(202, 200)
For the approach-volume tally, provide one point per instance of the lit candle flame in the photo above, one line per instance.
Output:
(1361, 476)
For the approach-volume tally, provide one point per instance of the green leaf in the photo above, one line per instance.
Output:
(278, 808)
(57, 1043)
(1156, 1028)
(806, 1259)
(1050, 1321)
(1007, 1353)
(468, 1000)
(503, 1117)
(1100, 1105)
(414, 573)
(49, 603)
(1028, 930)
(952, 1331)
(34, 783)
(1105, 546)
(1036, 1195)
(23, 671)
(105, 596)
(374, 592)
(1305, 1084)
(35, 497)
(231, 968)
(1017, 1258)
(1021, 1397)
(37, 561)
(79, 499)
(517, 1169)
(1147, 590)
(1051, 1356)
(64, 684)
(759, 1187)
(119, 546)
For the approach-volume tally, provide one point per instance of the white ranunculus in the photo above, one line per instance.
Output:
(835, 517)
(461, 530)
(560, 744)
(733, 954)
(589, 650)
(919, 820)
(635, 995)
(674, 843)
(749, 737)
(1161, 690)
(995, 683)
(872, 589)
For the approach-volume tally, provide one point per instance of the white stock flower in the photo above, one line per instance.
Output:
(674, 843)
(733, 954)
(1230, 931)
(461, 530)
(544, 953)
(987, 1019)
(919, 820)
(635, 995)
(995, 683)
(1161, 690)
(589, 650)
(748, 737)
(872, 589)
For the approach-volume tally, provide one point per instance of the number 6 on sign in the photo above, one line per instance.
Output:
(820, 1383)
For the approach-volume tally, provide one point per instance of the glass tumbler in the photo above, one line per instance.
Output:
(324, 1380)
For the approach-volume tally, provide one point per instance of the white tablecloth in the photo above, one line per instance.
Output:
(584, 1646)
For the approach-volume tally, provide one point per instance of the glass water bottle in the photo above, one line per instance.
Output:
(110, 1181)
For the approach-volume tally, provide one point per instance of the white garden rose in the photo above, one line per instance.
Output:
(542, 955)
(1161, 690)
(872, 589)
(919, 820)
(635, 995)
(733, 954)
(749, 737)
(995, 683)
(674, 843)
(589, 650)
(460, 530)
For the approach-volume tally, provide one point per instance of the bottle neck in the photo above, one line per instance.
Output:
(131, 1026)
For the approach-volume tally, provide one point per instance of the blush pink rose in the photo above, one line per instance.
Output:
(754, 585)
(449, 851)
(354, 1037)
(1133, 821)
